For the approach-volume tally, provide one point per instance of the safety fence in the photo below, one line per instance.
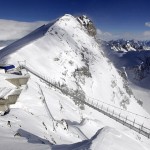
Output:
(104, 108)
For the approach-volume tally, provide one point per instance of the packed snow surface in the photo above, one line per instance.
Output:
(105, 139)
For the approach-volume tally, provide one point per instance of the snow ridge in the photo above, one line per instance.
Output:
(36, 34)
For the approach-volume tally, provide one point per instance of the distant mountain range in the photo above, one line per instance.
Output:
(129, 45)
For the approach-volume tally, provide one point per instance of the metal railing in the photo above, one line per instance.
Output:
(103, 108)
(132, 124)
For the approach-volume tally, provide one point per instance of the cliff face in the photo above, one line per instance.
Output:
(88, 24)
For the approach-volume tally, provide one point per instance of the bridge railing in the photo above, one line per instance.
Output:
(121, 118)
(106, 109)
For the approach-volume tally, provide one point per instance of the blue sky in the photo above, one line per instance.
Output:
(112, 17)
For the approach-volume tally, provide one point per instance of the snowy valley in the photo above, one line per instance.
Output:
(70, 73)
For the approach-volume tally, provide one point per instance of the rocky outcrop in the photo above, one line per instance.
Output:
(88, 24)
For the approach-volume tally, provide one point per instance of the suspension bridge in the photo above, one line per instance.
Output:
(101, 107)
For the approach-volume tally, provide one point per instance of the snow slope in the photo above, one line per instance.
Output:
(72, 58)
(39, 32)
(105, 139)
(136, 65)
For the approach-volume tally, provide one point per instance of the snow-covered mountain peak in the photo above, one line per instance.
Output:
(67, 56)
(76, 61)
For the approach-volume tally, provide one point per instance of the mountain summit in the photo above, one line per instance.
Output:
(67, 54)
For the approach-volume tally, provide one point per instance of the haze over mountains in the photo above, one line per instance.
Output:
(69, 55)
